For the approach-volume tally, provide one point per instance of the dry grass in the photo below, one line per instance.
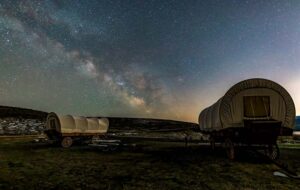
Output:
(24, 165)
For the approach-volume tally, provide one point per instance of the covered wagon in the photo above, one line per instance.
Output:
(252, 112)
(66, 128)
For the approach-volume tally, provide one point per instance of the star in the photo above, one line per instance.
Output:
(160, 59)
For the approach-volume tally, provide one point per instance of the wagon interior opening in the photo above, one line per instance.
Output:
(52, 124)
(257, 107)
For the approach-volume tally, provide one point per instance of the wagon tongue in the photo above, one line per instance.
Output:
(286, 174)
(279, 174)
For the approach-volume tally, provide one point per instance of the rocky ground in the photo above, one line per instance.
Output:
(21, 126)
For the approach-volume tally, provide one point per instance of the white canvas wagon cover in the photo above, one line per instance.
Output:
(229, 110)
(74, 124)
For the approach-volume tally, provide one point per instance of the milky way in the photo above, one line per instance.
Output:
(158, 59)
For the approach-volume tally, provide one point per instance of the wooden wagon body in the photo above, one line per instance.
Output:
(65, 128)
(252, 112)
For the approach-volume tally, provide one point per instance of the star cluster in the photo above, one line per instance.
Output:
(161, 59)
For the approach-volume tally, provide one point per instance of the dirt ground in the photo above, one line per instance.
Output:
(25, 165)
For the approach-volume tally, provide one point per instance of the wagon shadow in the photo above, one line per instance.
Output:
(183, 154)
(172, 154)
(204, 154)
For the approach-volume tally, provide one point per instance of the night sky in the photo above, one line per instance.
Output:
(155, 59)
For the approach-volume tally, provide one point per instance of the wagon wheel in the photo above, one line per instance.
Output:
(229, 146)
(66, 142)
(105, 149)
(112, 148)
(94, 139)
(272, 152)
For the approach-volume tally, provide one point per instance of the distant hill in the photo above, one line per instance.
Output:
(7, 111)
(21, 121)
(115, 122)
(147, 125)
(16, 121)
(297, 123)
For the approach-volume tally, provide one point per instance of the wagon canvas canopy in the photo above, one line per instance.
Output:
(252, 99)
(67, 124)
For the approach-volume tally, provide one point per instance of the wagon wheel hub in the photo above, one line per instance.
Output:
(66, 142)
